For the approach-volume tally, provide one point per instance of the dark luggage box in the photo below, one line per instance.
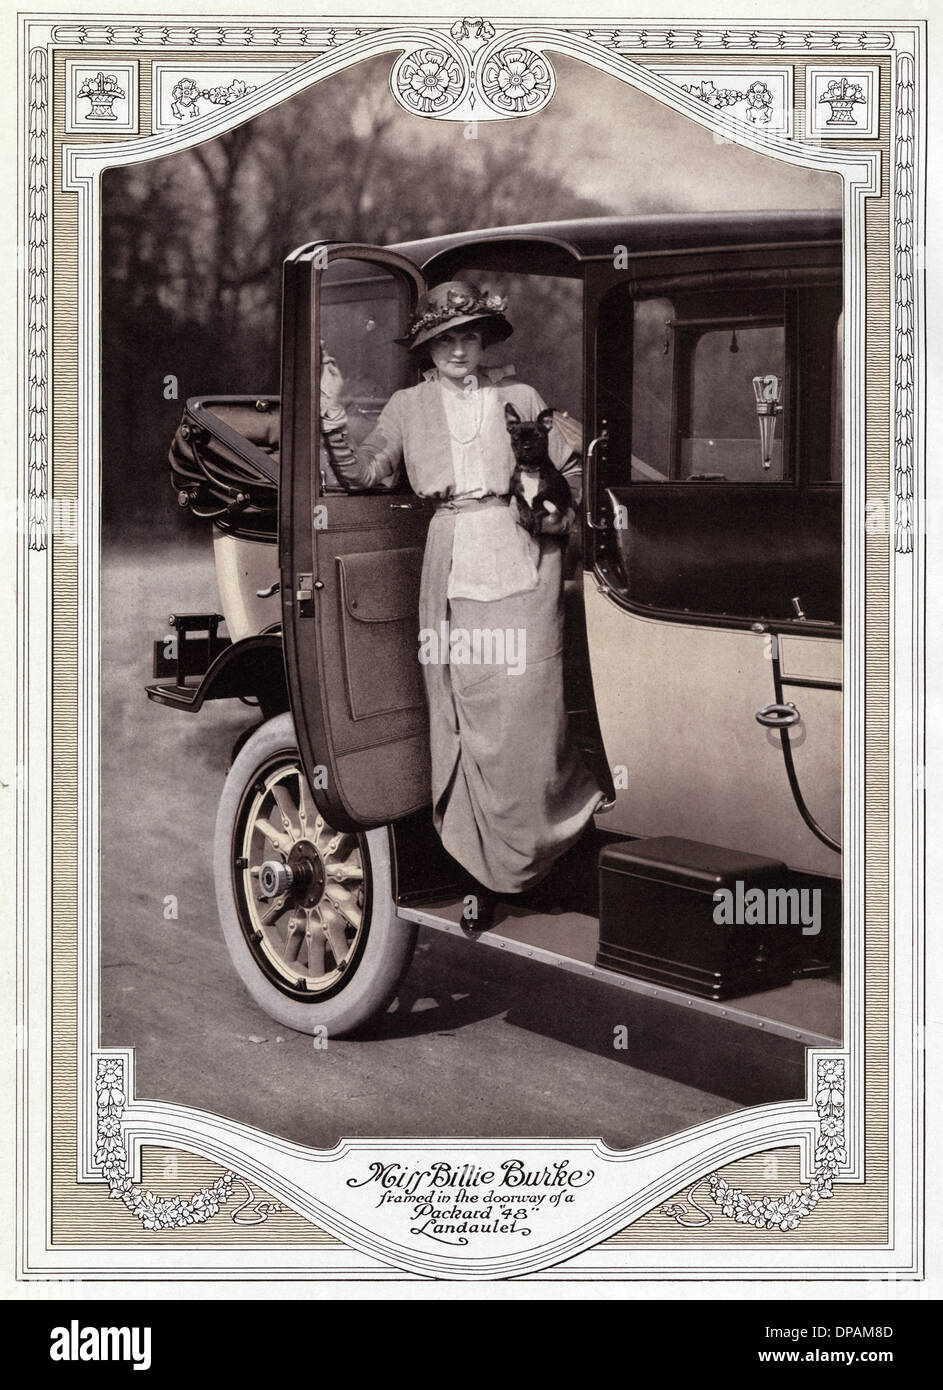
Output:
(656, 901)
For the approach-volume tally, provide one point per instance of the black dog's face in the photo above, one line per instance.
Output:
(529, 437)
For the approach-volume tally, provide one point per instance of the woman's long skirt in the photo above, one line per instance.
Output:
(510, 792)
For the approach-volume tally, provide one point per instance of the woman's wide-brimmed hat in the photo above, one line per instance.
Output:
(452, 304)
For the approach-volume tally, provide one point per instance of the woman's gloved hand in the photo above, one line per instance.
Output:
(332, 386)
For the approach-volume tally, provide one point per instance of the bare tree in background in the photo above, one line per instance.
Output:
(193, 246)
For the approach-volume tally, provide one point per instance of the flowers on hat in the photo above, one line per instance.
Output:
(457, 302)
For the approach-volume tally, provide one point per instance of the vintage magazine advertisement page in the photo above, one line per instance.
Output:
(468, 522)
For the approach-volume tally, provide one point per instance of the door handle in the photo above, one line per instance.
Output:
(778, 716)
(599, 443)
(405, 506)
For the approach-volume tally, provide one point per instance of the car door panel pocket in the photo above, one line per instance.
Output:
(379, 597)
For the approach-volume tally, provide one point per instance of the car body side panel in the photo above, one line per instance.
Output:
(677, 704)
(243, 567)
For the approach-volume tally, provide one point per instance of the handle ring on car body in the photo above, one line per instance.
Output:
(778, 716)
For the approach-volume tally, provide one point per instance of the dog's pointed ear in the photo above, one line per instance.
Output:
(511, 416)
(545, 419)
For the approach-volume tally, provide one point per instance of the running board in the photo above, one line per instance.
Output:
(730, 1014)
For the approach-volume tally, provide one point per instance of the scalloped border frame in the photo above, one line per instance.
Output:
(657, 1170)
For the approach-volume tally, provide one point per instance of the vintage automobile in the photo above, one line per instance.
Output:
(703, 623)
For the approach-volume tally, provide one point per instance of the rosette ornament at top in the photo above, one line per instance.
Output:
(516, 81)
(429, 81)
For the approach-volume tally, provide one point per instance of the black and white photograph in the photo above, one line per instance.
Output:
(433, 699)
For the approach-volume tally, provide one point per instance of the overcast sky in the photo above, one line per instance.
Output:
(623, 145)
(615, 144)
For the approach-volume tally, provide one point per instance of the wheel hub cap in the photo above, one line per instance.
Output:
(302, 877)
(307, 871)
(301, 882)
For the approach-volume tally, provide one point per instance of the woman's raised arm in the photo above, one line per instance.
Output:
(376, 461)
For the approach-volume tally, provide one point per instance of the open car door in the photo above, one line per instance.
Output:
(351, 560)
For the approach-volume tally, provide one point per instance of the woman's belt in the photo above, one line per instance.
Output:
(461, 504)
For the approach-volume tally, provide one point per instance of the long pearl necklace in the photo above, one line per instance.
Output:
(478, 415)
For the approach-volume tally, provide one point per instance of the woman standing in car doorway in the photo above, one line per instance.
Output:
(510, 793)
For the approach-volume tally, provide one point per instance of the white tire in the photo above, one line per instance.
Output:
(307, 912)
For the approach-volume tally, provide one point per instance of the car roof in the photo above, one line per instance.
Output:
(569, 243)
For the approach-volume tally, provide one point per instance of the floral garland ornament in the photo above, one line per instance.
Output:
(186, 96)
(155, 1213)
(517, 81)
(429, 81)
(785, 1213)
(758, 97)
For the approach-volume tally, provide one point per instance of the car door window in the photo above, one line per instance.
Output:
(363, 310)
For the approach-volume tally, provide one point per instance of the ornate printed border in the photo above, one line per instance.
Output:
(762, 96)
(667, 90)
(108, 79)
(154, 1213)
(650, 38)
(785, 1213)
(37, 301)
(503, 99)
(903, 294)
(157, 1213)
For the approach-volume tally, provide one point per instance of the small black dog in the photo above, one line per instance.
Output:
(540, 488)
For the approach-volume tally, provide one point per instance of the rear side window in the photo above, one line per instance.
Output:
(724, 417)
(706, 387)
